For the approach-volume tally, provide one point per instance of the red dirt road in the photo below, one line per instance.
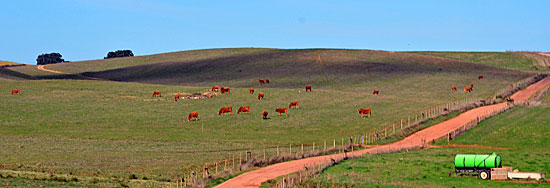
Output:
(257, 177)
(41, 67)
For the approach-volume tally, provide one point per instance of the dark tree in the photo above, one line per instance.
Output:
(50, 58)
(119, 53)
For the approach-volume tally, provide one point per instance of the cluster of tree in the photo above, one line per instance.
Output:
(119, 53)
(50, 58)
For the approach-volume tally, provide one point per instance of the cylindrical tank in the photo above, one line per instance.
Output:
(478, 161)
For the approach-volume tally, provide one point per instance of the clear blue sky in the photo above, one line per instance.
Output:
(88, 29)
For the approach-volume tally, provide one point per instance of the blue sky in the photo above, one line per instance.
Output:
(88, 29)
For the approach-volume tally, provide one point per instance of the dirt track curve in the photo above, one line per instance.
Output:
(41, 67)
(257, 177)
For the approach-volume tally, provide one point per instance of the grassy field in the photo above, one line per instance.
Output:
(508, 60)
(116, 129)
(523, 130)
(8, 63)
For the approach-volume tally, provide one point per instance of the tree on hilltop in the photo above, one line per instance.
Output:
(119, 53)
(50, 58)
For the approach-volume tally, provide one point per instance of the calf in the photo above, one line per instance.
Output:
(364, 111)
(224, 110)
(225, 90)
(453, 88)
(260, 96)
(264, 114)
(282, 110)
(18, 91)
(244, 109)
(251, 91)
(295, 104)
(215, 88)
(308, 88)
(155, 93)
(376, 92)
(177, 97)
(193, 115)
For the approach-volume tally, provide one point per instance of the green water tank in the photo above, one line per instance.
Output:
(478, 161)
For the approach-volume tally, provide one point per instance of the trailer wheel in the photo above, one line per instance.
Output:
(484, 175)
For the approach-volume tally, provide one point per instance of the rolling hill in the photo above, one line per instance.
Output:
(80, 126)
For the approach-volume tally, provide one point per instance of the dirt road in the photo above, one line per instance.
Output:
(41, 67)
(257, 177)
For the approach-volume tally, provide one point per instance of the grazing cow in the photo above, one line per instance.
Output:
(282, 110)
(244, 109)
(155, 93)
(308, 88)
(18, 91)
(263, 81)
(453, 88)
(225, 90)
(480, 77)
(193, 115)
(469, 89)
(364, 111)
(295, 104)
(264, 114)
(251, 91)
(224, 110)
(260, 96)
(177, 97)
(216, 88)
(376, 92)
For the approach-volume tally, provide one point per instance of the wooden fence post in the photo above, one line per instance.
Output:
(334, 143)
(325, 147)
(277, 150)
(290, 149)
(401, 123)
(313, 146)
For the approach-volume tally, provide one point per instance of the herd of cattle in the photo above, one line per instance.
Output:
(229, 109)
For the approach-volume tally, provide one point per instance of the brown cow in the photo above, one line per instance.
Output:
(308, 87)
(251, 91)
(364, 111)
(264, 114)
(282, 110)
(295, 104)
(224, 110)
(376, 92)
(216, 88)
(480, 77)
(453, 88)
(244, 109)
(468, 89)
(18, 91)
(193, 115)
(225, 90)
(177, 97)
(155, 93)
(260, 96)
(263, 81)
